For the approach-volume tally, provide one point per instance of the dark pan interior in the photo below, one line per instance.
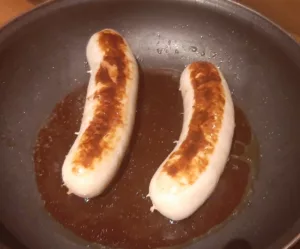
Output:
(42, 58)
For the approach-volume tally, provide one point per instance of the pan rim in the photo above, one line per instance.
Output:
(18, 20)
(284, 40)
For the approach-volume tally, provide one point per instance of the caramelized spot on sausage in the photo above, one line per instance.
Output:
(192, 157)
(112, 75)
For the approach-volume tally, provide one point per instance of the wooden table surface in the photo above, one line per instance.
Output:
(283, 12)
(286, 13)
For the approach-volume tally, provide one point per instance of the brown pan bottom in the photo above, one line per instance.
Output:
(121, 217)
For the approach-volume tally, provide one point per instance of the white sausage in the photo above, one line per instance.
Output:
(190, 173)
(108, 116)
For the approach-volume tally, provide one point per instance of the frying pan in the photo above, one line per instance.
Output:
(42, 59)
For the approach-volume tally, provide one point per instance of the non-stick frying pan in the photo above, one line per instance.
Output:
(42, 57)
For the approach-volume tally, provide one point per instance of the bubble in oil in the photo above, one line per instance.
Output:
(159, 50)
(193, 49)
(172, 222)
(235, 167)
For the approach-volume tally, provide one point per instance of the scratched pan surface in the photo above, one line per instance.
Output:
(42, 57)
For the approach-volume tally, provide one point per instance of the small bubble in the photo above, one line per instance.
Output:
(172, 221)
(193, 49)
(159, 50)
(203, 53)
(235, 167)
(176, 51)
(86, 200)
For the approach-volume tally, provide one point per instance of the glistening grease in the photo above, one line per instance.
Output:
(121, 217)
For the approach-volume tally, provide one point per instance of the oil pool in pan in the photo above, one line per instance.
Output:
(121, 217)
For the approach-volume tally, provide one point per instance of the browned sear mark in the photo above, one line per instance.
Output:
(209, 100)
(112, 74)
